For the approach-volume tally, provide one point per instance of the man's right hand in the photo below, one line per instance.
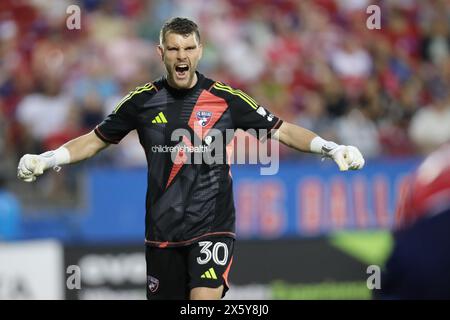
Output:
(31, 166)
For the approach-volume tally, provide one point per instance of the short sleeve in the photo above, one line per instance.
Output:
(247, 114)
(119, 123)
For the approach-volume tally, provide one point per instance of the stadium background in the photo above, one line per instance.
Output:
(308, 232)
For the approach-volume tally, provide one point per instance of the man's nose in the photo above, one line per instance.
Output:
(181, 54)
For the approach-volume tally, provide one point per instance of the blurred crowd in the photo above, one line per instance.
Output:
(315, 63)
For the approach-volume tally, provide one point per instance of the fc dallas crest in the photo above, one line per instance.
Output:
(203, 117)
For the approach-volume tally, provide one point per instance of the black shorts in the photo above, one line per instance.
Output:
(172, 272)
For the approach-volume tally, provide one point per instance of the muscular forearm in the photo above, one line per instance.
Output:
(84, 147)
(75, 150)
(81, 148)
(295, 137)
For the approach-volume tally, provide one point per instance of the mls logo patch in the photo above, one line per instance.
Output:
(203, 117)
(153, 284)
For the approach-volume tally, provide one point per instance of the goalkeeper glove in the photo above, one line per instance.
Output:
(33, 165)
(346, 157)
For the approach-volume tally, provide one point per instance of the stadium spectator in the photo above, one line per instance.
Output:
(48, 100)
(436, 43)
(351, 60)
(314, 116)
(357, 121)
(430, 126)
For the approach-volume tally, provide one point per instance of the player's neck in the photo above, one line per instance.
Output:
(174, 86)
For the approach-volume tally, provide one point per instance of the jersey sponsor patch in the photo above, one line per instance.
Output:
(203, 117)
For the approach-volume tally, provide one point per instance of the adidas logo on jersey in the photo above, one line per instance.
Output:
(210, 274)
(160, 118)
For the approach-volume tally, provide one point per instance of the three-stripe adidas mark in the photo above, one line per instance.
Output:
(209, 274)
(160, 118)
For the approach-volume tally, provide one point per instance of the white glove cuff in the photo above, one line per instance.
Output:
(322, 146)
(56, 157)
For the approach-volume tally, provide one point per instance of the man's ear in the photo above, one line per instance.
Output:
(160, 50)
(200, 47)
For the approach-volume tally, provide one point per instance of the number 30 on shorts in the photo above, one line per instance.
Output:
(215, 253)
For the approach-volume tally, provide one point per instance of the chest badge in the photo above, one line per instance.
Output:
(203, 117)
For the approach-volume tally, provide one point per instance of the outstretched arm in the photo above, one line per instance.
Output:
(78, 149)
(84, 147)
(301, 139)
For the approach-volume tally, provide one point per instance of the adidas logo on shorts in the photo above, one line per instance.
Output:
(210, 274)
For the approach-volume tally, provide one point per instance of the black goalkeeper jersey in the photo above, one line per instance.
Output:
(188, 197)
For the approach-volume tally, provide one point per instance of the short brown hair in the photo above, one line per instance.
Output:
(179, 25)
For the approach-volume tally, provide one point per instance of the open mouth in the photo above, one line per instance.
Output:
(181, 70)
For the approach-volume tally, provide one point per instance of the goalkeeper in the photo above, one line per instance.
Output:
(190, 214)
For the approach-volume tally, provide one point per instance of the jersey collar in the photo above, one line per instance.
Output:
(182, 92)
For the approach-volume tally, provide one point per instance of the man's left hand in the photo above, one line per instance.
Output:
(347, 157)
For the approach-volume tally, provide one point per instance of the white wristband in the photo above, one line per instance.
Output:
(321, 146)
(56, 157)
(316, 145)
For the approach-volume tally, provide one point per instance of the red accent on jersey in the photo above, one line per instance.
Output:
(179, 161)
(210, 103)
